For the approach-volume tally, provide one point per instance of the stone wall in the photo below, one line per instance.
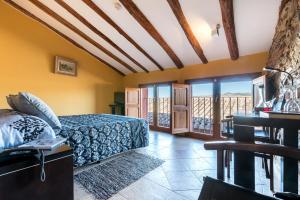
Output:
(285, 50)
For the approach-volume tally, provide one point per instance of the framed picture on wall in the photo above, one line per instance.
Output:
(65, 66)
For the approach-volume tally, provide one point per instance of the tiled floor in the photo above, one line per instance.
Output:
(180, 177)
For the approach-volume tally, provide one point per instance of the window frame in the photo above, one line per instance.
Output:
(217, 80)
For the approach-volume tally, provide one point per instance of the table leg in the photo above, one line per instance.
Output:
(244, 162)
(290, 166)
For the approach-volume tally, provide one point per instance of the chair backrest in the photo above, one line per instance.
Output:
(214, 189)
(272, 149)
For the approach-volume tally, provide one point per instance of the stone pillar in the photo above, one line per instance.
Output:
(285, 50)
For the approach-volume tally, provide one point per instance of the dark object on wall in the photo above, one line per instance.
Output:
(218, 190)
(118, 107)
(20, 177)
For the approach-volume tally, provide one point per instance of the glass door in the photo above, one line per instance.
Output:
(202, 108)
(157, 106)
(236, 98)
(163, 106)
(150, 110)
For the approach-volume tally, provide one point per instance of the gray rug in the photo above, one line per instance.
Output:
(109, 178)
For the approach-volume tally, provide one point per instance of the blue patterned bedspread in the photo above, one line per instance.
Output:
(95, 137)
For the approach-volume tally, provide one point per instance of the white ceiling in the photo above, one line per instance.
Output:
(255, 22)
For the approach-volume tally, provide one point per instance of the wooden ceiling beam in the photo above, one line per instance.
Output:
(29, 14)
(50, 12)
(176, 8)
(229, 27)
(98, 32)
(103, 15)
(146, 24)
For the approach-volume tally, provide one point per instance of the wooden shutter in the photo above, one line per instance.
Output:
(180, 108)
(133, 102)
(144, 103)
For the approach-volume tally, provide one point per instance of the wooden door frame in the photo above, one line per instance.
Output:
(155, 127)
(201, 135)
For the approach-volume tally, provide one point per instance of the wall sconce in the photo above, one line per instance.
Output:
(216, 31)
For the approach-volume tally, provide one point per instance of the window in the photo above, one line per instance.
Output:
(236, 98)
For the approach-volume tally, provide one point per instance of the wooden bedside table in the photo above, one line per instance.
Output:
(20, 177)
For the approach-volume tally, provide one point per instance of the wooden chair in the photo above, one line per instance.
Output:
(270, 149)
(265, 135)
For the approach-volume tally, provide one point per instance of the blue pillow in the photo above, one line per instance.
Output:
(18, 128)
(32, 105)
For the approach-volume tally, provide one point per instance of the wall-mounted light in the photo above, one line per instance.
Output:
(216, 31)
(271, 69)
(117, 5)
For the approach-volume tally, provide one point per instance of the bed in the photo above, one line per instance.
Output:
(96, 137)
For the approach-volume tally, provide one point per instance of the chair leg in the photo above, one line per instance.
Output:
(271, 174)
(265, 160)
(220, 165)
(228, 163)
(226, 158)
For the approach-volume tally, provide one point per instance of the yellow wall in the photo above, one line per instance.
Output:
(245, 64)
(27, 51)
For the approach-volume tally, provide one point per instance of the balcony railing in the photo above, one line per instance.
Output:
(236, 105)
(202, 110)
(202, 114)
(163, 109)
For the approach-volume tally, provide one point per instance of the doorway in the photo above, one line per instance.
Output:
(217, 98)
(202, 108)
(156, 109)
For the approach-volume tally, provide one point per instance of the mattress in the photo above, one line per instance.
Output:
(99, 136)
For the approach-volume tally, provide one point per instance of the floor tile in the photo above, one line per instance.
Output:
(145, 189)
(158, 176)
(190, 194)
(81, 194)
(203, 173)
(183, 180)
(175, 165)
(115, 197)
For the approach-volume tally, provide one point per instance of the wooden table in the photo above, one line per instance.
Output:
(244, 166)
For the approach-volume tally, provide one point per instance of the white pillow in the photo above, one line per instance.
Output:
(32, 105)
(17, 128)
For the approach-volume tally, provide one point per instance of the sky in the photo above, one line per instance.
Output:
(206, 89)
